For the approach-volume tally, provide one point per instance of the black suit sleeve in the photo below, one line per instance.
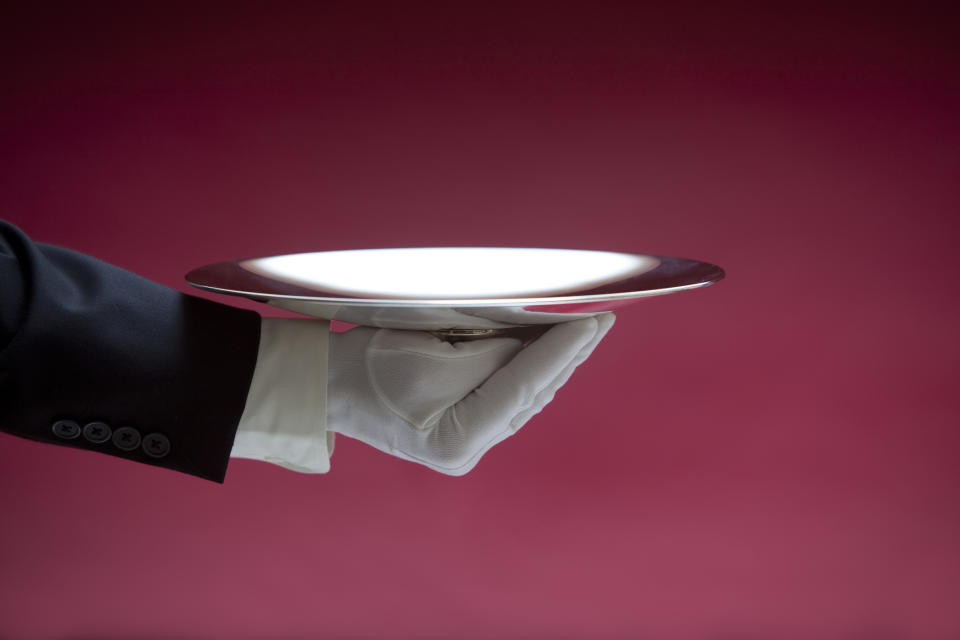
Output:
(160, 376)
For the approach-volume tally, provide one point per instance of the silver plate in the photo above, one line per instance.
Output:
(443, 288)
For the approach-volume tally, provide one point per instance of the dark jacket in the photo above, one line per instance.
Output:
(95, 357)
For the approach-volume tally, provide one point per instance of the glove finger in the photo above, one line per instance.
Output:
(542, 367)
(545, 396)
(515, 393)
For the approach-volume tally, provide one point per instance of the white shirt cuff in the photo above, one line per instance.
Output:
(284, 420)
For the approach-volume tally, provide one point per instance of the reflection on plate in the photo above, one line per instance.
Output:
(453, 287)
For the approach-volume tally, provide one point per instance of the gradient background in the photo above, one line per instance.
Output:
(775, 456)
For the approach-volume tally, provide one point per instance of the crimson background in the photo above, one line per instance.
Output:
(774, 456)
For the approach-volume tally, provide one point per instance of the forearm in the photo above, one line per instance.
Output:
(85, 341)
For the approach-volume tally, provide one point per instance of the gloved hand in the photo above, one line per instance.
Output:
(444, 405)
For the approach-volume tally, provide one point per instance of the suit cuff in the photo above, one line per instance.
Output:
(284, 420)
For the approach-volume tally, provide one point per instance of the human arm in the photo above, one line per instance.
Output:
(95, 357)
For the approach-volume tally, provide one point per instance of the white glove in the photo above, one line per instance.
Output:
(444, 405)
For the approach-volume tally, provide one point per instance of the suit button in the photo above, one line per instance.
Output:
(66, 429)
(97, 432)
(126, 438)
(156, 445)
